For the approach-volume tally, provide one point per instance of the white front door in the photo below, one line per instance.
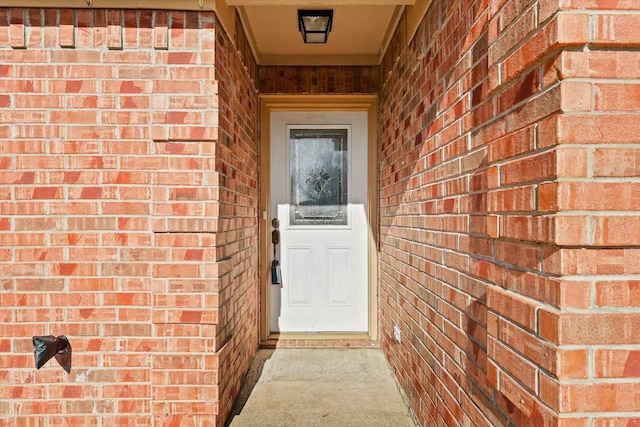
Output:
(319, 197)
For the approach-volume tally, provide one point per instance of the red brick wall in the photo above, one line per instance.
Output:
(237, 236)
(598, 216)
(315, 80)
(509, 221)
(128, 188)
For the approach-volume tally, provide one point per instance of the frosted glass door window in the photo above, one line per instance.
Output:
(319, 160)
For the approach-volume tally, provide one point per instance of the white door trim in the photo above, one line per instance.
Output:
(269, 103)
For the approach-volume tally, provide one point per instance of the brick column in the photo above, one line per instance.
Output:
(597, 326)
(129, 215)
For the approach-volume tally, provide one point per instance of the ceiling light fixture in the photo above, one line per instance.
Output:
(315, 25)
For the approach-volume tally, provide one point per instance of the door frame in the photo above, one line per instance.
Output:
(293, 103)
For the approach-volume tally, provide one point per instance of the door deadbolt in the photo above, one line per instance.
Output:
(275, 234)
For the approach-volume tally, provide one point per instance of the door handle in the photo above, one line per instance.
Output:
(276, 275)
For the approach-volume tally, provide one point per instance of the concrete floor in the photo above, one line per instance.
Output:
(320, 387)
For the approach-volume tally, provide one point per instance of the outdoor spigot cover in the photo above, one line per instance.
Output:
(46, 347)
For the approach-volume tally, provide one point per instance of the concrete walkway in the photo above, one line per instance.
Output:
(320, 387)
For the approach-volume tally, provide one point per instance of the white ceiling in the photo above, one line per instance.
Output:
(360, 32)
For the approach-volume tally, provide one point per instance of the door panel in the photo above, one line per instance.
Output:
(338, 276)
(297, 279)
(319, 195)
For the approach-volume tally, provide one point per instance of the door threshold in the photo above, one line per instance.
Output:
(319, 340)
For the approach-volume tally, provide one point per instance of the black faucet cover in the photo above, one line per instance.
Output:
(46, 347)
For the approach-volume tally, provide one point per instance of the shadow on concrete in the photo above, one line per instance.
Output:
(309, 387)
(249, 382)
